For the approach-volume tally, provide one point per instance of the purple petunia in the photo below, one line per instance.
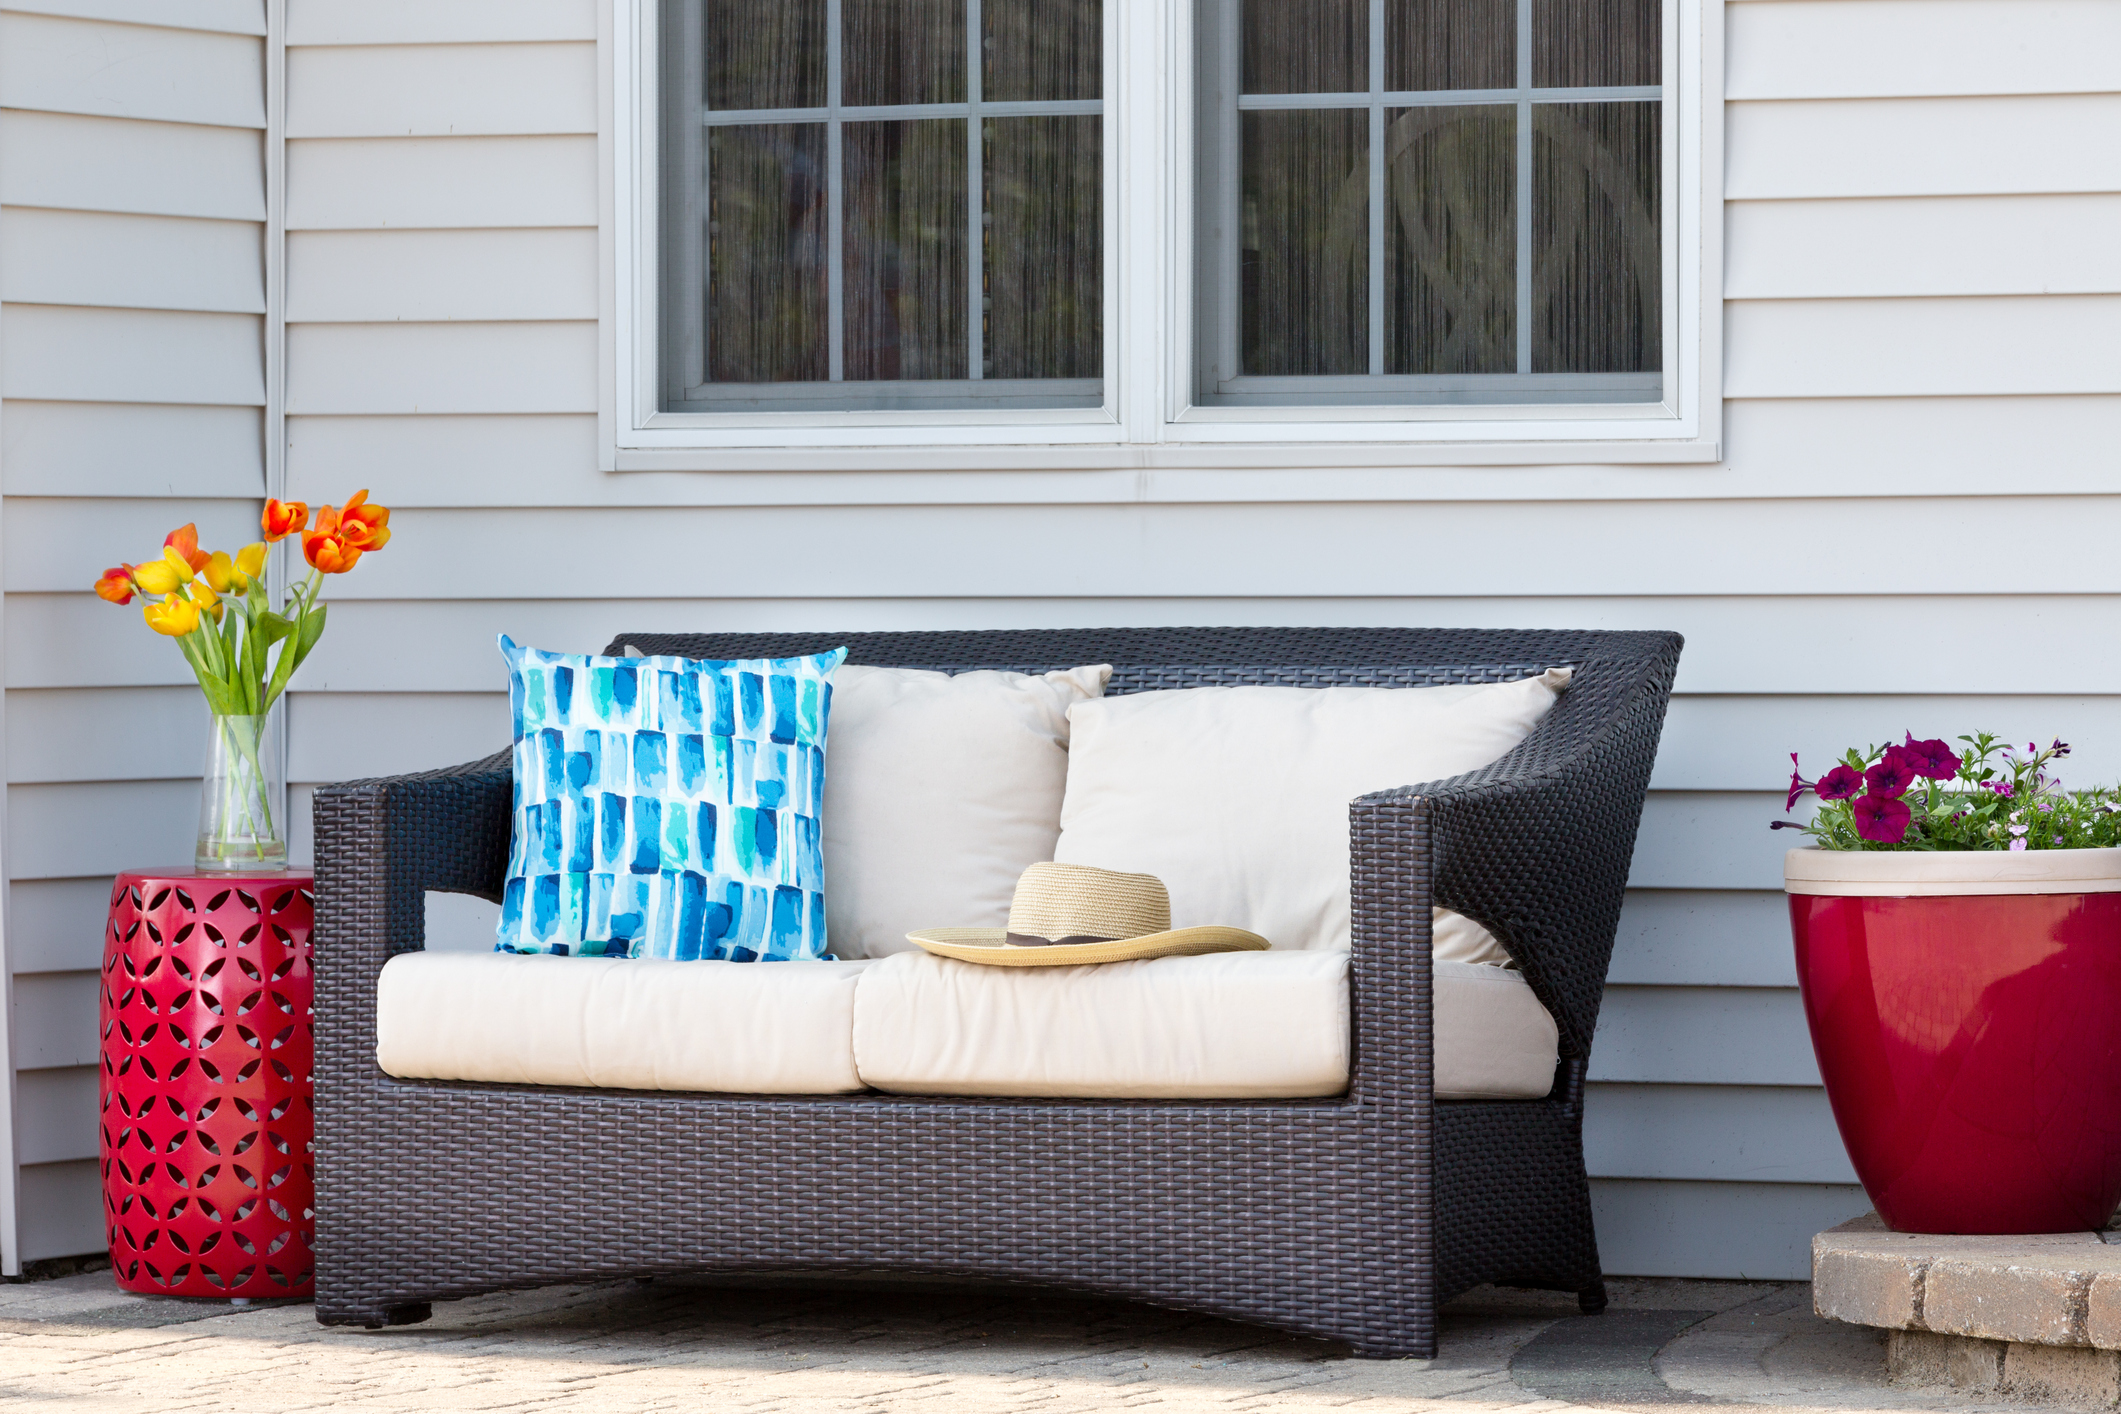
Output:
(1841, 783)
(1931, 758)
(1798, 784)
(1882, 819)
(1892, 775)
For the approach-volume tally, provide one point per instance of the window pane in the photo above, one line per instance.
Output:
(903, 51)
(1595, 43)
(1041, 49)
(905, 249)
(1306, 229)
(765, 54)
(1045, 248)
(1306, 46)
(766, 253)
(1596, 267)
(1451, 234)
(1439, 44)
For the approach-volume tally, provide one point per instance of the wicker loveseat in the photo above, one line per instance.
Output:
(1349, 1218)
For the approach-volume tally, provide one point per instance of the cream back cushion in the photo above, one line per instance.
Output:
(940, 791)
(1237, 797)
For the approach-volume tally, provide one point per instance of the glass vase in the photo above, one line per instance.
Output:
(243, 795)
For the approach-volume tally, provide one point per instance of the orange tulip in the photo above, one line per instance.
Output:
(364, 527)
(327, 547)
(283, 518)
(173, 616)
(185, 541)
(116, 584)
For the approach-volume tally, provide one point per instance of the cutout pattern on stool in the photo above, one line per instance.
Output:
(205, 1103)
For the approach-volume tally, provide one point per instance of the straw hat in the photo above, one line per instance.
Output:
(1065, 915)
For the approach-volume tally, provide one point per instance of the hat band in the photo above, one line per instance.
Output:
(1032, 940)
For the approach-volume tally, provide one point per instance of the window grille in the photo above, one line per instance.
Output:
(1429, 201)
(861, 215)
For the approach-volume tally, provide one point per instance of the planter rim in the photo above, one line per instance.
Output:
(1916, 873)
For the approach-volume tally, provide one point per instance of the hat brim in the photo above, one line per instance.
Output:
(992, 947)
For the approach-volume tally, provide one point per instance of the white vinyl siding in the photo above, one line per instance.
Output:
(132, 199)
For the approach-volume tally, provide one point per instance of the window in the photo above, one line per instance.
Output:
(1142, 233)
(867, 213)
(1406, 201)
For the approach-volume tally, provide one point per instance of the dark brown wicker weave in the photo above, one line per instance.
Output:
(1348, 1218)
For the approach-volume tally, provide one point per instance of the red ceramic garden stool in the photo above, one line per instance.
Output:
(204, 1101)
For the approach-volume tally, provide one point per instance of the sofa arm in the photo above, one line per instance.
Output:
(1535, 847)
(380, 846)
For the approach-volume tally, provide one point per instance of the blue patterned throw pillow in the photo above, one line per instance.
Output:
(667, 808)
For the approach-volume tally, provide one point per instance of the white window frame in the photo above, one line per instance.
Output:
(1148, 418)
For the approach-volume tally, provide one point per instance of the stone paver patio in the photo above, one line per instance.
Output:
(78, 1344)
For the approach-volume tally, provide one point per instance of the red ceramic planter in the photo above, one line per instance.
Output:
(1966, 1012)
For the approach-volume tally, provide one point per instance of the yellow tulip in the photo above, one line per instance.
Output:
(174, 617)
(203, 595)
(163, 576)
(251, 559)
(225, 575)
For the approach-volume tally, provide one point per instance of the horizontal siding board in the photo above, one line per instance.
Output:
(55, 1115)
(130, 261)
(1800, 643)
(60, 1208)
(131, 71)
(76, 640)
(430, 276)
(1836, 348)
(1923, 146)
(1155, 552)
(1704, 938)
(1744, 742)
(1738, 1134)
(424, 22)
(375, 183)
(70, 354)
(403, 368)
(338, 736)
(225, 16)
(1703, 1036)
(100, 827)
(54, 1020)
(56, 925)
(132, 450)
(1911, 246)
(116, 164)
(106, 734)
(1701, 839)
(1780, 449)
(1815, 643)
(1751, 1231)
(1917, 48)
(441, 90)
(51, 543)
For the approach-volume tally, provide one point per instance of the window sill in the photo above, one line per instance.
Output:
(1159, 457)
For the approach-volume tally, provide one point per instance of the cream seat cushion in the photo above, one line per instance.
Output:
(1269, 1025)
(1237, 797)
(774, 1028)
(940, 791)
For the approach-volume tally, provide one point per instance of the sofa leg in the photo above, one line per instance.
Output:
(409, 1313)
(1591, 1300)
